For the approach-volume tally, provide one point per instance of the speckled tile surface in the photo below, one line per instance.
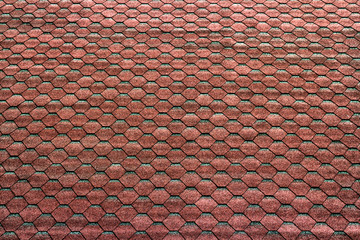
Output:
(179, 119)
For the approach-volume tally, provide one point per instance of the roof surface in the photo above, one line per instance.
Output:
(179, 119)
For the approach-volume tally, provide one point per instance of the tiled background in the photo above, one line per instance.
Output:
(179, 119)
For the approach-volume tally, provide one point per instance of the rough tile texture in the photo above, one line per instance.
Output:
(179, 119)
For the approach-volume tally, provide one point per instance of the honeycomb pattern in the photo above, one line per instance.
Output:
(179, 119)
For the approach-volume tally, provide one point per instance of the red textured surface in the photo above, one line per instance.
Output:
(179, 119)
